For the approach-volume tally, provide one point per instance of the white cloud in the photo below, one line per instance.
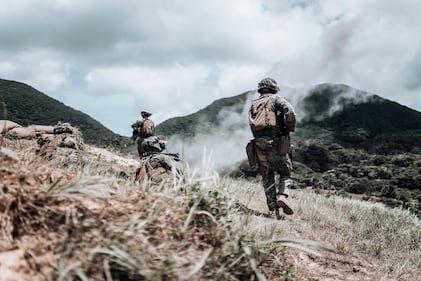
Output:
(155, 88)
(37, 68)
(175, 57)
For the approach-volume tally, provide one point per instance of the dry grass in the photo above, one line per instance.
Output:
(389, 238)
(380, 242)
(68, 222)
(86, 222)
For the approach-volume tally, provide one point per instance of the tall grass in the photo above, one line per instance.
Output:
(100, 226)
(392, 237)
(388, 240)
(103, 227)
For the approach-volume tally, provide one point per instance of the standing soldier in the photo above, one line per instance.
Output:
(142, 129)
(271, 119)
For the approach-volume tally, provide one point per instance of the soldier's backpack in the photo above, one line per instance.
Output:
(261, 115)
(147, 129)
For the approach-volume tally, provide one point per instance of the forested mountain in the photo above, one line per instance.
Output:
(25, 105)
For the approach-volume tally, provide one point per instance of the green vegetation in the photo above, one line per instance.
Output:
(392, 179)
(206, 118)
(361, 120)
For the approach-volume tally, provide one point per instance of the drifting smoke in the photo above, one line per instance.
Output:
(323, 101)
(222, 147)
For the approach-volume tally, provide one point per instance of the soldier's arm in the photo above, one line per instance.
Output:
(135, 132)
(289, 117)
(165, 161)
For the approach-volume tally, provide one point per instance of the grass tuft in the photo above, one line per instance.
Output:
(88, 223)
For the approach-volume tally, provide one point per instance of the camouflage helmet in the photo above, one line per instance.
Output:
(145, 113)
(153, 144)
(267, 85)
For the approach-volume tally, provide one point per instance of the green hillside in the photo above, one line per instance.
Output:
(359, 110)
(202, 120)
(25, 105)
(362, 120)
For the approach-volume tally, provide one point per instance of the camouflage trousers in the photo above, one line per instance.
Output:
(275, 169)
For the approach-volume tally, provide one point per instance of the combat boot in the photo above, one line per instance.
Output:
(283, 203)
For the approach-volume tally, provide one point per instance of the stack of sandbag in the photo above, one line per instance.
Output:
(66, 135)
(29, 132)
(21, 133)
(15, 131)
(6, 125)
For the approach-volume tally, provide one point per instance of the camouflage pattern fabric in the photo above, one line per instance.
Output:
(272, 144)
(270, 162)
(148, 128)
(141, 130)
(140, 149)
(157, 167)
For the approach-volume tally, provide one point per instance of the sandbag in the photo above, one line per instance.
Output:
(22, 133)
(45, 138)
(68, 142)
(6, 125)
(42, 129)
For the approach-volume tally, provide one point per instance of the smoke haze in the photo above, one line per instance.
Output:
(221, 147)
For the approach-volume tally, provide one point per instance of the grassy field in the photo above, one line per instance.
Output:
(81, 216)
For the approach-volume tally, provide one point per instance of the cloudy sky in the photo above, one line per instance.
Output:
(112, 59)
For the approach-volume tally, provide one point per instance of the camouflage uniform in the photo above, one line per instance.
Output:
(270, 161)
(154, 165)
(142, 129)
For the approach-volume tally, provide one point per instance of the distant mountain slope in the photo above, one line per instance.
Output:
(204, 119)
(331, 111)
(347, 141)
(361, 119)
(25, 105)
(357, 109)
